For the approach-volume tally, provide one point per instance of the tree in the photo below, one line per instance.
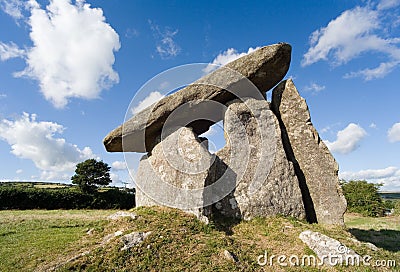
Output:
(363, 197)
(90, 174)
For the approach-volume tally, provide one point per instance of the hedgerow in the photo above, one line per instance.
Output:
(64, 198)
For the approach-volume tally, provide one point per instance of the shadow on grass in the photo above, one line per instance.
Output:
(223, 223)
(384, 238)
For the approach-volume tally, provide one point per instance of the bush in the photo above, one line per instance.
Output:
(24, 198)
(397, 207)
(389, 204)
(363, 197)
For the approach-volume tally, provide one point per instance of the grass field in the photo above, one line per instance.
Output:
(31, 238)
(384, 232)
(37, 240)
(375, 223)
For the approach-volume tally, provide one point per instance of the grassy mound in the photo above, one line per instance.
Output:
(179, 242)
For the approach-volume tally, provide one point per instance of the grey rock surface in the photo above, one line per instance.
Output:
(229, 256)
(254, 158)
(90, 231)
(133, 239)
(122, 214)
(176, 173)
(315, 166)
(251, 75)
(330, 251)
(109, 237)
(366, 244)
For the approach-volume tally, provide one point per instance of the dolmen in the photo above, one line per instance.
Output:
(273, 163)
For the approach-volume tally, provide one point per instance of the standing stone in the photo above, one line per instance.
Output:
(176, 173)
(254, 157)
(315, 167)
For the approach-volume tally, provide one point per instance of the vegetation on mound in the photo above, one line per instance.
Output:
(53, 240)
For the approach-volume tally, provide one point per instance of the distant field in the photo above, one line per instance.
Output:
(376, 223)
(390, 196)
(36, 184)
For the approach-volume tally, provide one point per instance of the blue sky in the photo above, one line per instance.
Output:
(69, 70)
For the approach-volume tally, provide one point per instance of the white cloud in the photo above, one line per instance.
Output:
(351, 26)
(215, 137)
(214, 130)
(325, 129)
(3, 96)
(347, 140)
(394, 133)
(379, 72)
(369, 174)
(210, 132)
(152, 98)
(166, 46)
(314, 87)
(36, 141)
(356, 31)
(119, 165)
(73, 51)
(225, 57)
(389, 177)
(330, 127)
(9, 51)
(391, 183)
(13, 8)
(19, 171)
(121, 181)
(385, 4)
(132, 33)
(115, 178)
(373, 125)
(164, 85)
(55, 175)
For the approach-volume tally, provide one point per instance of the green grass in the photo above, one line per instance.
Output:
(41, 240)
(383, 232)
(376, 223)
(31, 238)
